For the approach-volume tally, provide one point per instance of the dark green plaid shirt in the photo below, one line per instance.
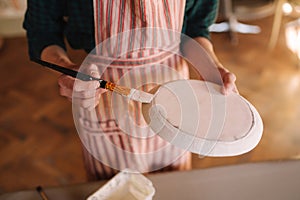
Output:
(45, 24)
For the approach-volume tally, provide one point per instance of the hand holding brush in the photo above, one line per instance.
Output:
(130, 93)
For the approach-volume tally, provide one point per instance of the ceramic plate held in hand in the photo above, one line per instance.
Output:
(195, 116)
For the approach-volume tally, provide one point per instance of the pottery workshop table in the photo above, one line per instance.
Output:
(268, 180)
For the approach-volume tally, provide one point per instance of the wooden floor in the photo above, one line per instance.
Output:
(39, 144)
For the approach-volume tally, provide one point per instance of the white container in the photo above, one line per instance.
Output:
(125, 185)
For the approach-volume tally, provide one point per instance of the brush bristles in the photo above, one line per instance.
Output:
(122, 90)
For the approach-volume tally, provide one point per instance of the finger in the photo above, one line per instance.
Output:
(91, 103)
(229, 83)
(83, 86)
(222, 71)
(229, 77)
(236, 90)
(84, 94)
(65, 81)
(69, 93)
(86, 103)
(94, 71)
(88, 93)
(93, 106)
(65, 92)
(228, 88)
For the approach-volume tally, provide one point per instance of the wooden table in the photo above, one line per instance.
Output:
(269, 180)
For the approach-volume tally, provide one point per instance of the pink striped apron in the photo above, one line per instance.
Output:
(111, 143)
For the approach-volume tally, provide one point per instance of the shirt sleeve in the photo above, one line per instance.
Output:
(199, 15)
(44, 25)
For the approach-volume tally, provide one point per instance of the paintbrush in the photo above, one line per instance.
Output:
(41, 192)
(130, 93)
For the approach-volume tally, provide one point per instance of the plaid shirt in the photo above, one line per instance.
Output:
(49, 22)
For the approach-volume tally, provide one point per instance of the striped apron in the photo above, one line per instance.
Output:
(116, 136)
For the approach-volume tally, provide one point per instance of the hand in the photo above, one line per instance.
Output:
(85, 94)
(228, 81)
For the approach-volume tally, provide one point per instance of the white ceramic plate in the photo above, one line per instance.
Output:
(195, 116)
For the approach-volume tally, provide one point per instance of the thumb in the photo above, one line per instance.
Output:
(93, 70)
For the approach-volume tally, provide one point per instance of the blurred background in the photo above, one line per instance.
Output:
(39, 144)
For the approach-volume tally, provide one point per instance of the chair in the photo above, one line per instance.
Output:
(278, 18)
(234, 10)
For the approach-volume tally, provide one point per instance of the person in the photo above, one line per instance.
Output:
(87, 23)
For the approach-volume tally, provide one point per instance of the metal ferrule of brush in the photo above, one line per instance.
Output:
(102, 84)
(107, 85)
